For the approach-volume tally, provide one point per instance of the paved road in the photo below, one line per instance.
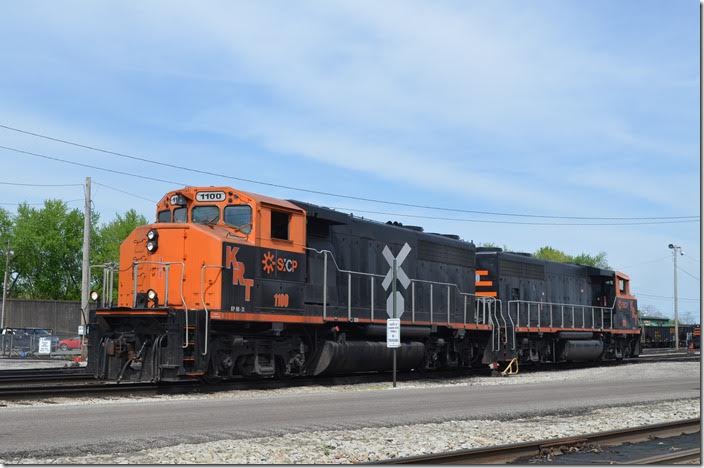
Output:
(107, 427)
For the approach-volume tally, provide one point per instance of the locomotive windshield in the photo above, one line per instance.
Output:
(180, 215)
(205, 214)
(164, 216)
(239, 216)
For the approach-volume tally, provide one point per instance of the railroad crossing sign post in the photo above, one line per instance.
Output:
(395, 302)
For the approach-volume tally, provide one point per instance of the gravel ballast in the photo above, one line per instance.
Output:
(377, 443)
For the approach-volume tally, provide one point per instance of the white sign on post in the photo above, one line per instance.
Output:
(44, 346)
(393, 333)
(81, 330)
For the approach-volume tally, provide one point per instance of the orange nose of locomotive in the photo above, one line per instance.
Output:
(161, 266)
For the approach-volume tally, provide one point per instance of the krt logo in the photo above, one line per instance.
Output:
(281, 264)
(238, 271)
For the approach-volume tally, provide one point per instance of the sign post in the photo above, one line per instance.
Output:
(395, 303)
(393, 294)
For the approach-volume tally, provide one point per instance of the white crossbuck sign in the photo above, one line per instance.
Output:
(400, 276)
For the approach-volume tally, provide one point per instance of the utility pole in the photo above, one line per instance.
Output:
(85, 273)
(675, 250)
(4, 285)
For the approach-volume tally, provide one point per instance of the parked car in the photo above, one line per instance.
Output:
(70, 343)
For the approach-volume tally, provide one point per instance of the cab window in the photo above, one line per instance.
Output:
(279, 225)
(164, 216)
(239, 216)
(205, 214)
(180, 215)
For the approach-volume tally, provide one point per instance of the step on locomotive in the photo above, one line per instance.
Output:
(228, 284)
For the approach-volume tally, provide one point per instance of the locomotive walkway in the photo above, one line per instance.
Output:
(119, 426)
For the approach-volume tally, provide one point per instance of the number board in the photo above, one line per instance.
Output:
(210, 196)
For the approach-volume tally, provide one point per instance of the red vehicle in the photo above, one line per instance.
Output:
(70, 343)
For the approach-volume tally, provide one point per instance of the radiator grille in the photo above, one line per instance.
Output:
(521, 270)
(432, 252)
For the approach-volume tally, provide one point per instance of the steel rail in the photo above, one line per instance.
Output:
(507, 453)
(31, 375)
(682, 456)
(25, 392)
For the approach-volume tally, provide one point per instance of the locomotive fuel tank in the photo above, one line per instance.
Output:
(581, 350)
(366, 356)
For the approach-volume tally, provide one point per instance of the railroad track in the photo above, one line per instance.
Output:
(33, 375)
(501, 454)
(29, 383)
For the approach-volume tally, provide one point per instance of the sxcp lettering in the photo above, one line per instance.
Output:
(281, 264)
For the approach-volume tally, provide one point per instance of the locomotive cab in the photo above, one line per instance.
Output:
(212, 249)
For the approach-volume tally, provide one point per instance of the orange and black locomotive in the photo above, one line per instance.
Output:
(228, 283)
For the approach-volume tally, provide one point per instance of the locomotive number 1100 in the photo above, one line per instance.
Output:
(280, 300)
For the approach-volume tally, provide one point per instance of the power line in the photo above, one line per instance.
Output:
(39, 204)
(691, 258)
(510, 222)
(53, 158)
(666, 297)
(124, 191)
(646, 262)
(688, 273)
(66, 161)
(40, 185)
(319, 192)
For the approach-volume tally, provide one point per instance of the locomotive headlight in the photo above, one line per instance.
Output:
(151, 295)
(152, 234)
(151, 246)
(94, 295)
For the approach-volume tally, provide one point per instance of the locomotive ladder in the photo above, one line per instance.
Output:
(503, 331)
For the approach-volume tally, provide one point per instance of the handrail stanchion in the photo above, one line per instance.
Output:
(413, 301)
(540, 312)
(325, 284)
(528, 304)
(105, 282)
(582, 316)
(562, 316)
(112, 281)
(135, 266)
(448, 303)
(572, 307)
(464, 320)
(349, 296)
(593, 321)
(550, 307)
(371, 280)
(167, 269)
(431, 303)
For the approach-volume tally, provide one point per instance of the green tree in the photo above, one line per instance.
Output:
(111, 235)
(6, 225)
(598, 260)
(47, 244)
(552, 254)
(493, 245)
(555, 255)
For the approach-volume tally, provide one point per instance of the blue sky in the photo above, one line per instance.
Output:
(548, 107)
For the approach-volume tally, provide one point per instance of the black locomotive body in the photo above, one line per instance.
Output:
(248, 285)
(558, 311)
